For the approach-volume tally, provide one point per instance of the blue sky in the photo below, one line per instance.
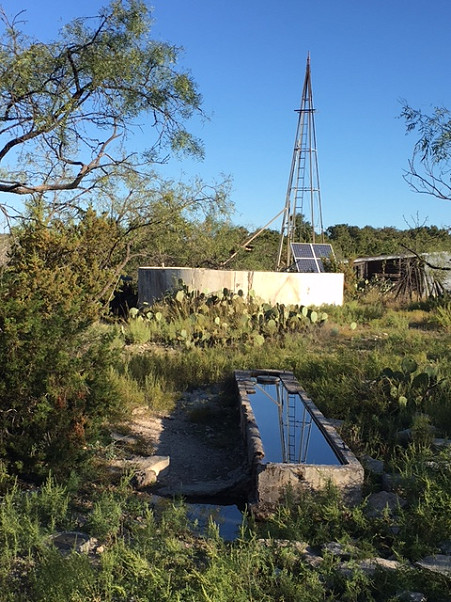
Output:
(248, 58)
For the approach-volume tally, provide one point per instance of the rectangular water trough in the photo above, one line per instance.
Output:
(290, 444)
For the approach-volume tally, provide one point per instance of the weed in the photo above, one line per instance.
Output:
(356, 311)
(159, 395)
(57, 578)
(442, 316)
(49, 505)
(138, 384)
(130, 393)
(105, 519)
(138, 331)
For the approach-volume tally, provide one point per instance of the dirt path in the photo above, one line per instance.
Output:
(202, 439)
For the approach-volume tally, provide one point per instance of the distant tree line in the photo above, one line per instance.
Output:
(210, 241)
(352, 241)
(347, 241)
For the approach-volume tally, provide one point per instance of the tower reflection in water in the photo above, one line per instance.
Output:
(289, 433)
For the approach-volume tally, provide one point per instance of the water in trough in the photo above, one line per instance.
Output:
(288, 431)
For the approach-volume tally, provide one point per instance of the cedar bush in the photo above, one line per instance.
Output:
(55, 389)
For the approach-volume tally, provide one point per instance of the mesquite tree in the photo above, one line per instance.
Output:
(68, 107)
(67, 112)
(429, 167)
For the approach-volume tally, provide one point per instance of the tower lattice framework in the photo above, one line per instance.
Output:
(303, 191)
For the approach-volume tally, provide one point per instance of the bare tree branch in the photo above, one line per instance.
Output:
(430, 169)
(424, 261)
(428, 183)
(57, 100)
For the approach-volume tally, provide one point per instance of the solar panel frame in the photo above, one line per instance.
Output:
(308, 256)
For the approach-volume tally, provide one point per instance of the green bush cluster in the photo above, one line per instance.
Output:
(402, 405)
(55, 390)
(224, 318)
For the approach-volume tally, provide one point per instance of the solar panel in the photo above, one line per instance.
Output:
(300, 250)
(307, 265)
(322, 250)
(308, 256)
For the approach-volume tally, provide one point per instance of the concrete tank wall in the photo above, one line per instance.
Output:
(272, 287)
(272, 480)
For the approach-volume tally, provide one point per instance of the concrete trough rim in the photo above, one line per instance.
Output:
(349, 472)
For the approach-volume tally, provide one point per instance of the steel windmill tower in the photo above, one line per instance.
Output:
(303, 196)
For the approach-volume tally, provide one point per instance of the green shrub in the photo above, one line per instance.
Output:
(55, 389)
(189, 319)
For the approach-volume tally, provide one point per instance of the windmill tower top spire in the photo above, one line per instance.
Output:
(303, 197)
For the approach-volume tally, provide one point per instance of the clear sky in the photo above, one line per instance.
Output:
(248, 58)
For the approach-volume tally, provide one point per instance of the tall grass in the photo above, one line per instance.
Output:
(152, 552)
(146, 553)
(339, 367)
(442, 316)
